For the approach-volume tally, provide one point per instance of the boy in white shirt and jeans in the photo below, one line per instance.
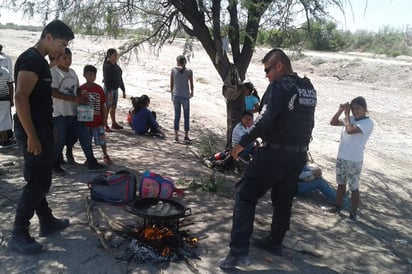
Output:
(66, 96)
(241, 129)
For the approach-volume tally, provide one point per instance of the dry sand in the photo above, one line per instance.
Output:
(380, 242)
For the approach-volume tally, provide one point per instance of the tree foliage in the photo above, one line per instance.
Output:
(207, 20)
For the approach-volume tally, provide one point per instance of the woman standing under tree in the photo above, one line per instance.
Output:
(112, 78)
(355, 133)
(181, 87)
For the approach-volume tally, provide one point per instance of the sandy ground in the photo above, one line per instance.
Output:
(318, 242)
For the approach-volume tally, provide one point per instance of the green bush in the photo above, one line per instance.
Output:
(323, 35)
(209, 143)
(212, 183)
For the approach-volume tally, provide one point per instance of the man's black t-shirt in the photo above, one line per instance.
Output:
(41, 104)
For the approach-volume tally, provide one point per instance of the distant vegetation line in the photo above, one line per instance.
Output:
(319, 35)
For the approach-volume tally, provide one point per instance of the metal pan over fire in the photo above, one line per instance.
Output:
(156, 209)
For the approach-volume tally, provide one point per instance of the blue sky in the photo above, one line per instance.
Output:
(396, 14)
(378, 13)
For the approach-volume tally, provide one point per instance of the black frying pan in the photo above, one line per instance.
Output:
(157, 209)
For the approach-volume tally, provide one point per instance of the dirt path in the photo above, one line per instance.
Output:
(318, 242)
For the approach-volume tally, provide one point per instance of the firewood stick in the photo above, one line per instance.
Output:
(117, 225)
(192, 265)
(186, 224)
(92, 225)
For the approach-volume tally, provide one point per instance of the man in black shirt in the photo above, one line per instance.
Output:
(34, 131)
(285, 126)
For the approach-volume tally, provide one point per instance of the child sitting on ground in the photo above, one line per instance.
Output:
(97, 99)
(239, 130)
(144, 120)
(310, 179)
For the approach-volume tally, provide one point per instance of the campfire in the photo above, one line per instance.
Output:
(160, 238)
(157, 243)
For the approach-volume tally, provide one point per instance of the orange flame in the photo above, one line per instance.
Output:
(155, 233)
(165, 251)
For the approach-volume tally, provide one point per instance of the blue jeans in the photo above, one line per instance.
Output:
(249, 149)
(115, 97)
(318, 184)
(66, 124)
(323, 186)
(178, 103)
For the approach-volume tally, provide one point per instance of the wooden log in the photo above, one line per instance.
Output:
(100, 233)
(192, 265)
(117, 225)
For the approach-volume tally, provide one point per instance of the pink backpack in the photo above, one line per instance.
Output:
(153, 185)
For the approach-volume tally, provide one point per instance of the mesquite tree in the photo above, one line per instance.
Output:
(207, 20)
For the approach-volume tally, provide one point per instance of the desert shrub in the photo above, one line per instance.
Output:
(209, 143)
(210, 183)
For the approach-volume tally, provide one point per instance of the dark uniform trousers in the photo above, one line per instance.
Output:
(38, 175)
(271, 169)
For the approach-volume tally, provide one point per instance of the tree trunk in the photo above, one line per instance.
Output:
(234, 109)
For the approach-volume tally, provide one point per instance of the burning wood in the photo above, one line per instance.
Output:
(158, 243)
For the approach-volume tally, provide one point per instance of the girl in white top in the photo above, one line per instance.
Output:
(355, 133)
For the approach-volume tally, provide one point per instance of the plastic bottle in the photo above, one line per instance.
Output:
(208, 163)
(220, 156)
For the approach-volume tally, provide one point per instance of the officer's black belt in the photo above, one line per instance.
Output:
(287, 148)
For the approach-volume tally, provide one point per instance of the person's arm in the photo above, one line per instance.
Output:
(255, 108)
(335, 119)
(122, 86)
(152, 120)
(57, 94)
(11, 93)
(236, 135)
(349, 127)
(236, 148)
(172, 81)
(191, 85)
(26, 80)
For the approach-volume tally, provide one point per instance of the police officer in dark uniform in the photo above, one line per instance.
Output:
(285, 126)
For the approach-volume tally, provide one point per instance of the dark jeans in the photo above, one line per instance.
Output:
(38, 175)
(249, 149)
(271, 169)
(178, 103)
(70, 127)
